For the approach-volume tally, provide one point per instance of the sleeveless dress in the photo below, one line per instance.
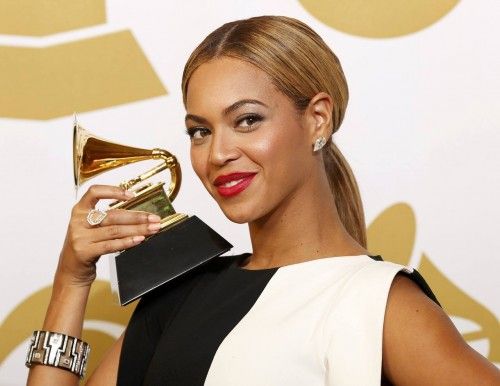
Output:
(313, 323)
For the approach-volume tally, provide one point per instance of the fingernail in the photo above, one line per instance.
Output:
(129, 194)
(138, 239)
(154, 218)
(154, 227)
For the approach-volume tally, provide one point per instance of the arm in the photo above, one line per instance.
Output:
(107, 371)
(76, 271)
(421, 346)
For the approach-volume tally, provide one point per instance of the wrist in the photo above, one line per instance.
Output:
(67, 276)
(66, 309)
(66, 289)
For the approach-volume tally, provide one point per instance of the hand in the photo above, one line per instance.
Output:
(84, 244)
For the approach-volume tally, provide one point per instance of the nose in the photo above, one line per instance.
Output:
(223, 148)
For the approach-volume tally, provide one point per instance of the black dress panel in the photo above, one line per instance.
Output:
(175, 330)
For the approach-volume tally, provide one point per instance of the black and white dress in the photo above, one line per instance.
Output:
(313, 323)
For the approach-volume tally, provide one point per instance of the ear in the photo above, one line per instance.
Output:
(318, 116)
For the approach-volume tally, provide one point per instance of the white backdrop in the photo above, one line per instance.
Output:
(421, 128)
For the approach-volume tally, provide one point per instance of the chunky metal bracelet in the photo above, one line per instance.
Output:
(58, 350)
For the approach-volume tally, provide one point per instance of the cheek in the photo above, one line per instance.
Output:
(280, 152)
(199, 163)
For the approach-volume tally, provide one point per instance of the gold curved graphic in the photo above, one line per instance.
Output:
(378, 18)
(456, 302)
(45, 17)
(28, 316)
(398, 236)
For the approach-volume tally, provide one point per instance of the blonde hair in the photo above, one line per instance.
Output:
(301, 65)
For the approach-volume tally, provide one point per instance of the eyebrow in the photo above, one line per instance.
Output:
(227, 110)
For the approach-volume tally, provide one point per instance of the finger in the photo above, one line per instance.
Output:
(112, 232)
(129, 217)
(99, 192)
(116, 245)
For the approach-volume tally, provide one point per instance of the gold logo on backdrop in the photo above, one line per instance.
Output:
(82, 75)
(391, 234)
(378, 18)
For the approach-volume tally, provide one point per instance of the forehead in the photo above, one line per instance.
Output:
(221, 82)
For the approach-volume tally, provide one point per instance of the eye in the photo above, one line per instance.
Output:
(249, 121)
(197, 133)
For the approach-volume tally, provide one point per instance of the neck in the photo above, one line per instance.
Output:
(305, 226)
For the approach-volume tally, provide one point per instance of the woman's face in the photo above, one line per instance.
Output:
(248, 144)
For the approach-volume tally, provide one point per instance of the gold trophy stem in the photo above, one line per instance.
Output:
(172, 220)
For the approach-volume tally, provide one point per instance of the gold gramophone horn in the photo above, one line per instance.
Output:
(93, 155)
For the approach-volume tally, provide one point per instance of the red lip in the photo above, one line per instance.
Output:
(245, 177)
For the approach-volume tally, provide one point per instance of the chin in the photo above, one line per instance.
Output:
(238, 218)
(239, 215)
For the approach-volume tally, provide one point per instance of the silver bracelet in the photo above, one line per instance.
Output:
(58, 350)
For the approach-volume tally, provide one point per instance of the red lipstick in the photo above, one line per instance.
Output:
(234, 183)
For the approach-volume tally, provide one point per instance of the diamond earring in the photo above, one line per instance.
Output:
(319, 143)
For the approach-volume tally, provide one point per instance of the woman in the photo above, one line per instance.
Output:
(308, 306)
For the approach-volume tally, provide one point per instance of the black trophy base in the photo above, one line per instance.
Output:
(164, 257)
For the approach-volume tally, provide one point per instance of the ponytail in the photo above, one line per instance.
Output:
(346, 193)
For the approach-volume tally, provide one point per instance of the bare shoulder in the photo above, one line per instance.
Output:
(106, 372)
(421, 346)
